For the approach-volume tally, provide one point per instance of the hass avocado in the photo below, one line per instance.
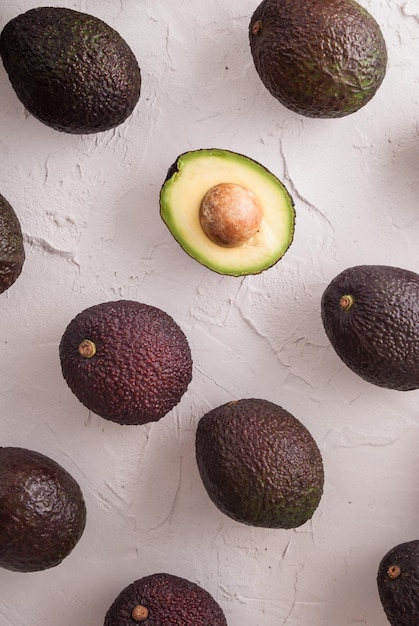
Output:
(370, 314)
(398, 584)
(164, 600)
(42, 511)
(319, 59)
(259, 464)
(126, 361)
(70, 70)
(227, 211)
(12, 251)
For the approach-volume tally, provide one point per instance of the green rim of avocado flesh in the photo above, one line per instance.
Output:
(189, 179)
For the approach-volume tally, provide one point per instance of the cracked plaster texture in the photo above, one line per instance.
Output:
(89, 211)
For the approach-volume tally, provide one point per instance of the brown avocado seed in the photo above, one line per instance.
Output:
(230, 214)
(87, 349)
(139, 613)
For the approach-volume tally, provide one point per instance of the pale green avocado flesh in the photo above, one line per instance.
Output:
(187, 182)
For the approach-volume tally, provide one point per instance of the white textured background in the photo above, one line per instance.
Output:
(90, 214)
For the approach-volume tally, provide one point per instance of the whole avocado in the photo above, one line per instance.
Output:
(126, 361)
(259, 464)
(42, 511)
(164, 600)
(70, 70)
(370, 314)
(12, 251)
(319, 59)
(398, 584)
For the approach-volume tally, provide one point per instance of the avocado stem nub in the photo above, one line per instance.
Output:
(87, 349)
(346, 302)
(139, 613)
(394, 572)
(257, 27)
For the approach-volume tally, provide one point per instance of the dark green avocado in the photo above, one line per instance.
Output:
(42, 511)
(227, 211)
(164, 600)
(126, 361)
(12, 252)
(71, 70)
(371, 316)
(259, 464)
(319, 59)
(398, 584)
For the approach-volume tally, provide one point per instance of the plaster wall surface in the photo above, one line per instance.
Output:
(89, 208)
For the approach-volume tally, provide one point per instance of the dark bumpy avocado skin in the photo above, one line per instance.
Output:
(259, 464)
(320, 59)
(12, 252)
(378, 336)
(70, 70)
(42, 511)
(142, 365)
(398, 584)
(170, 600)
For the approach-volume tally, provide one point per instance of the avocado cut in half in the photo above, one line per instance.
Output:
(42, 511)
(259, 464)
(12, 251)
(164, 600)
(126, 361)
(227, 211)
(70, 70)
(398, 584)
(370, 314)
(319, 59)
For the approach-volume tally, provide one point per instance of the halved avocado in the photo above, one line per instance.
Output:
(251, 214)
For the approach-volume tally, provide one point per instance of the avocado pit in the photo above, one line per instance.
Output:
(230, 214)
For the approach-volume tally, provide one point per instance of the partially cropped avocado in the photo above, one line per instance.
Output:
(42, 511)
(164, 600)
(398, 584)
(319, 59)
(71, 70)
(126, 361)
(12, 251)
(227, 211)
(259, 464)
(370, 314)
